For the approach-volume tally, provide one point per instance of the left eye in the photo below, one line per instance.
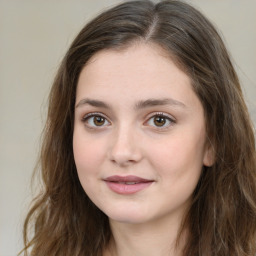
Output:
(95, 121)
(160, 121)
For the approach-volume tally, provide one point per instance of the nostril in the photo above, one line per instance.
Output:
(124, 149)
(124, 156)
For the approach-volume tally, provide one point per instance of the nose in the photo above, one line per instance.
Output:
(125, 148)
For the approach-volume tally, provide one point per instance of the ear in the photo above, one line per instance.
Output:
(209, 155)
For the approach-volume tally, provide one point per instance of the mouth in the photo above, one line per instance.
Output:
(127, 184)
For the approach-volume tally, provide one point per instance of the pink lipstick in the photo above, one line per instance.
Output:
(127, 184)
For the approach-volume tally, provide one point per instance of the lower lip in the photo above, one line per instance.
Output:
(125, 189)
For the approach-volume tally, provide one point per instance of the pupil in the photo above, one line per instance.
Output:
(98, 120)
(159, 121)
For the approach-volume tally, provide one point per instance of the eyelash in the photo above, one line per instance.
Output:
(164, 116)
(87, 117)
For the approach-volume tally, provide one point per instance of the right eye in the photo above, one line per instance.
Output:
(94, 120)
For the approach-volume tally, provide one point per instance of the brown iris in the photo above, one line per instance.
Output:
(159, 121)
(98, 120)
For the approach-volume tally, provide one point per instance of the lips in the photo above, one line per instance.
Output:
(127, 184)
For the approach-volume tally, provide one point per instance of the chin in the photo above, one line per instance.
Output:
(126, 217)
(128, 220)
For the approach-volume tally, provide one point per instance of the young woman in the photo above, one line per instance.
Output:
(148, 148)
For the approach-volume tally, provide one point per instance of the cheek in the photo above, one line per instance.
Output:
(180, 158)
(88, 153)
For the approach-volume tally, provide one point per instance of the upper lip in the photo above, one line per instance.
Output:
(129, 178)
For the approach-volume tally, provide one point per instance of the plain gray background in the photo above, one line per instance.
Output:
(34, 36)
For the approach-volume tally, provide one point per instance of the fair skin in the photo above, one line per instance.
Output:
(139, 146)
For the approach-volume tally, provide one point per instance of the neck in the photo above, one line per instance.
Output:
(148, 239)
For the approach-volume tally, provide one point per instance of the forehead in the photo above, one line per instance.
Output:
(138, 72)
(140, 60)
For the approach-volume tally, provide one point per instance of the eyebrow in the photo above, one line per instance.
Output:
(158, 102)
(94, 103)
(139, 105)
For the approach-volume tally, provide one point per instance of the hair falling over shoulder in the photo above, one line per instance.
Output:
(222, 217)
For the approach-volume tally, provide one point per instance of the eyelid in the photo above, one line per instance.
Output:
(151, 115)
(170, 117)
(94, 114)
(86, 117)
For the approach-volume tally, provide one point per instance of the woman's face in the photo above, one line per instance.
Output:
(139, 135)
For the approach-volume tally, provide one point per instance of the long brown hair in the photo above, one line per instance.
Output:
(222, 217)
